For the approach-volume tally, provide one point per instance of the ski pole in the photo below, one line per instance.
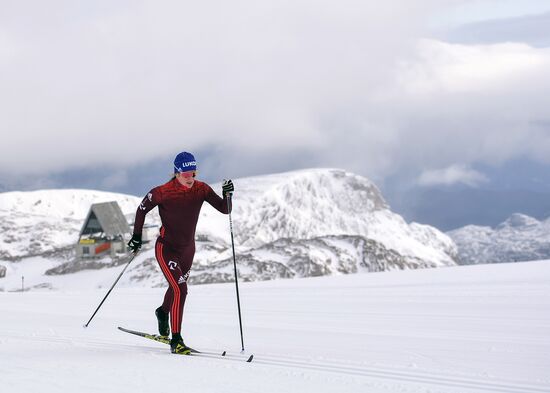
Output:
(118, 278)
(235, 266)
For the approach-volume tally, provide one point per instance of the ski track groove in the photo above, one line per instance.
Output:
(405, 377)
(308, 363)
(377, 372)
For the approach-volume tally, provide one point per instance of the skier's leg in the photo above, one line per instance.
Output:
(168, 262)
(168, 299)
(185, 261)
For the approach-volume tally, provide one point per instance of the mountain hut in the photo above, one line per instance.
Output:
(105, 230)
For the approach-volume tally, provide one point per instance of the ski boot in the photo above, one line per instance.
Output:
(162, 318)
(178, 346)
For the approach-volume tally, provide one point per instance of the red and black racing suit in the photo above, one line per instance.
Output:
(179, 209)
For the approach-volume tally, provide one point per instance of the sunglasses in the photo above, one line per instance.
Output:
(187, 175)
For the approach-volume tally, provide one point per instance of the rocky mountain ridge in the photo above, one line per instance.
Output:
(519, 238)
(295, 224)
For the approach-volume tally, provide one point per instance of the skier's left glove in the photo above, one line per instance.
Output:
(227, 187)
(135, 243)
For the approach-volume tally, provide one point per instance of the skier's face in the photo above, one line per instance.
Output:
(186, 178)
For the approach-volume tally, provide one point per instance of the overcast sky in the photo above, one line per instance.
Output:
(433, 88)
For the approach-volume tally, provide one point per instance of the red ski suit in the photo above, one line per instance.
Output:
(179, 209)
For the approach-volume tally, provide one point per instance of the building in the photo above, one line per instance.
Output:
(105, 231)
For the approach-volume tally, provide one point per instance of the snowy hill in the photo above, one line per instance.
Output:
(295, 224)
(322, 203)
(464, 329)
(519, 238)
(39, 222)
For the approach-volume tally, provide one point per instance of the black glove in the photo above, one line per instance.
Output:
(227, 187)
(135, 242)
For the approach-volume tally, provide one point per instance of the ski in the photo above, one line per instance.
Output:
(248, 359)
(154, 337)
(194, 352)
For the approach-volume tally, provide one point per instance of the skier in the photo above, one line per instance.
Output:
(179, 202)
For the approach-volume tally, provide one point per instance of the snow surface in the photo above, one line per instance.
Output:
(465, 329)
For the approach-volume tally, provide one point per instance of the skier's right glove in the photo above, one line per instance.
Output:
(135, 243)
(227, 187)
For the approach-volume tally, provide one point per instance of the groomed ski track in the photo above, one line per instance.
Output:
(466, 329)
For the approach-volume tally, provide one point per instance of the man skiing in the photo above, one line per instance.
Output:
(179, 202)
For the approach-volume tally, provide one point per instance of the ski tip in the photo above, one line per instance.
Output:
(250, 358)
(224, 353)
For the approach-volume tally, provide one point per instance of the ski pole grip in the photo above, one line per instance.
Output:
(230, 193)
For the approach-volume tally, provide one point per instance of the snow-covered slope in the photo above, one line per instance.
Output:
(294, 224)
(37, 222)
(519, 238)
(324, 202)
(465, 329)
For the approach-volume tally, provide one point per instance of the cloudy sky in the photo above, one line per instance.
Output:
(103, 94)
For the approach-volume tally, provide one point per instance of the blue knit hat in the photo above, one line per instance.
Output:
(185, 162)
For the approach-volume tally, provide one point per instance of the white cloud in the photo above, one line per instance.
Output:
(466, 104)
(455, 174)
(453, 68)
(354, 85)
(113, 82)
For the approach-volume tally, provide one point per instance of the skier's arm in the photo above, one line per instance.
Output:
(223, 205)
(151, 200)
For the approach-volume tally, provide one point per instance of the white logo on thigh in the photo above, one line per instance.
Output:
(181, 280)
(186, 276)
(172, 265)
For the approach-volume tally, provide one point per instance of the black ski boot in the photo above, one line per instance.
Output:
(162, 318)
(178, 346)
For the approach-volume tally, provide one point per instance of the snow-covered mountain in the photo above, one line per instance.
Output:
(294, 224)
(323, 202)
(519, 238)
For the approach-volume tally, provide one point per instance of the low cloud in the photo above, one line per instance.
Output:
(115, 180)
(455, 174)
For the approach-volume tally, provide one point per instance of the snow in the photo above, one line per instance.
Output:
(34, 222)
(68, 203)
(519, 238)
(300, 208)
(482, 328)
(450, 330)
(319, 202)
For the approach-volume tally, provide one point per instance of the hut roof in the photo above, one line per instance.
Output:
(110, 218)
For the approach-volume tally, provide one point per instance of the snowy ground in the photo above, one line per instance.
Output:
(458, 329)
